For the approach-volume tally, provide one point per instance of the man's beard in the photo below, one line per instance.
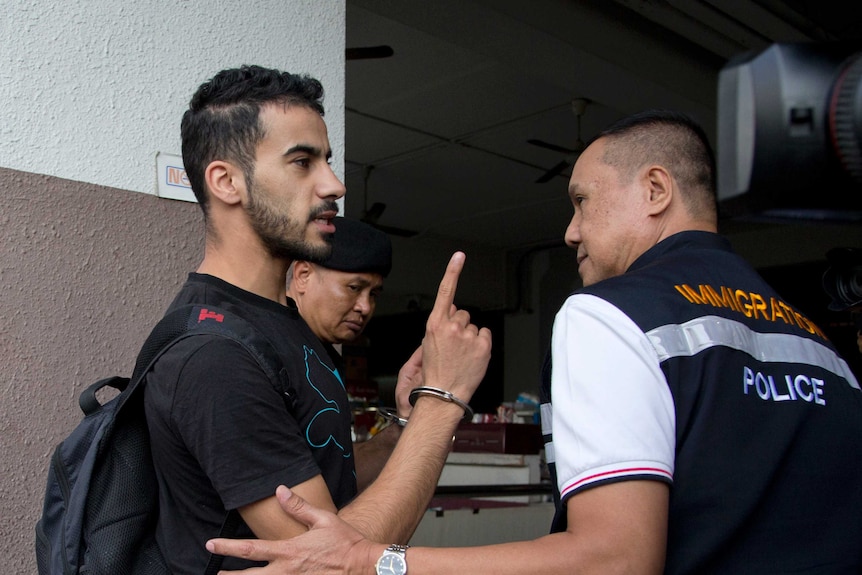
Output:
(282, 237)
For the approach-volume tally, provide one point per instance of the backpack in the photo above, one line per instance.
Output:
(101, 500)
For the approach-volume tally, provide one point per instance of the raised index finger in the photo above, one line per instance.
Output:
(448, 285)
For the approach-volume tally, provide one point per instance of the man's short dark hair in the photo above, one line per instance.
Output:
(223, 119)
(673, 140)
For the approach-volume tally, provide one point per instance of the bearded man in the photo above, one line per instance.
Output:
(257, 155)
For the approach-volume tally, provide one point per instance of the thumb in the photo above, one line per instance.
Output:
(299, 508)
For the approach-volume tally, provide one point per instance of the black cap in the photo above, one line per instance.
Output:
(359, 247)
(842, 281)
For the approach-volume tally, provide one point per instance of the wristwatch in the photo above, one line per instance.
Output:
(393, 561)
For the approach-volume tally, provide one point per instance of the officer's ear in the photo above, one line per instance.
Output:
(302, 272)
(660, 188)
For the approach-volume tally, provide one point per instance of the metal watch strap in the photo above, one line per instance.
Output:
(382, 567)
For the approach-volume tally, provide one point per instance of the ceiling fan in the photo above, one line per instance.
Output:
(579, 106)
(371, 215)
(369, 52)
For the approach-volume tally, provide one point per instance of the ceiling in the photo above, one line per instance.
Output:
(437, 134)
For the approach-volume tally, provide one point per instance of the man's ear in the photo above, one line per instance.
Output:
(660, 188)
(225, 182)
(302, 272)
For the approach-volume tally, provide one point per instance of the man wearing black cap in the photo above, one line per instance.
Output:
(337, 296)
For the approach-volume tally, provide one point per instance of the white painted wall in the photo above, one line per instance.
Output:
(91, 90)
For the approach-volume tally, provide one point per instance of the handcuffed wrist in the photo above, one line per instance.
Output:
(444, 395)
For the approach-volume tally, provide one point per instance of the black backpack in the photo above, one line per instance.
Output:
(101, 500)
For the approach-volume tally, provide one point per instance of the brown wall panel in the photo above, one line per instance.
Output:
(85, 271)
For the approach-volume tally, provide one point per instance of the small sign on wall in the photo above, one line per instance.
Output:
(173, 183)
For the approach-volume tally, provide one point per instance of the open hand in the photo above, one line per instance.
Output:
(330, 547)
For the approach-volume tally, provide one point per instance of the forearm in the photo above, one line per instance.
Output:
(556, 554)
(619, 528)
(370, 456)
(392, 506)
(454, 357)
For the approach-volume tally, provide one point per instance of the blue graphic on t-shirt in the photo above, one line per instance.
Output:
(318, 432)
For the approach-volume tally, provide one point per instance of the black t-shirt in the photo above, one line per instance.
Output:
(222, 436)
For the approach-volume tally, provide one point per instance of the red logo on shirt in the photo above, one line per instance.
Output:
(207, 314)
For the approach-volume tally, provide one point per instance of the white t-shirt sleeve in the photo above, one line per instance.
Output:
(612, 411)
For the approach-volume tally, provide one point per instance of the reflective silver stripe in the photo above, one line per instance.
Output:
(547, 421)
(547, 413)
(704, 332)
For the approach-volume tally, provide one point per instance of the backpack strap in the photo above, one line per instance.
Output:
(199, 319)
(185, 321)
(228, 529)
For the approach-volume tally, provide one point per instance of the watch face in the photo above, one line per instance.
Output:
(391, 564)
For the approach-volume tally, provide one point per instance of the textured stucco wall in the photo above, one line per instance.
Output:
(93, 89)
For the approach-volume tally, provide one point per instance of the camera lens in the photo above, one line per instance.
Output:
(842, 280)
(848, 285)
